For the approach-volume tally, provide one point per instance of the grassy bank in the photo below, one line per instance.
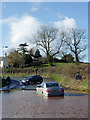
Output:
(64, 73)
(70, 83)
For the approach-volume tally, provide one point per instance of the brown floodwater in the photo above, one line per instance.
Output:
(27, 104)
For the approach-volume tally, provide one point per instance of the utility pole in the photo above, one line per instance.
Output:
(3, 59)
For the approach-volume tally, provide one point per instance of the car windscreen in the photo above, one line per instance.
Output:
(27, 78)
(52, 85)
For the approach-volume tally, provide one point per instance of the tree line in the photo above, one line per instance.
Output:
(22, 57)
(69, 44)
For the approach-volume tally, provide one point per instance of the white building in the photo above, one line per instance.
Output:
(3, 62)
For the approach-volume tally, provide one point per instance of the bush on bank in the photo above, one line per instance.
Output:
(70, 70)
(4, 82)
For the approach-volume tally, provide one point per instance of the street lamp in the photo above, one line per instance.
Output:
(3, 59)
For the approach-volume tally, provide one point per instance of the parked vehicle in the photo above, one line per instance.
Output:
(50, 89)
(32, 79)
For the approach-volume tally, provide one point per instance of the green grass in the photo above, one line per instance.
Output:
(74, 64)
(71, 83)
(59, 64)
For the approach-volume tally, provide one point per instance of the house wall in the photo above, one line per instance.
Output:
(3, 62)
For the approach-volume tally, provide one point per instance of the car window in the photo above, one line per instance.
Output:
(42, 84)
(34, 76)
(27, 78)
(52, 85)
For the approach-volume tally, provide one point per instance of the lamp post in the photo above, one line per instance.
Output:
(3, 59)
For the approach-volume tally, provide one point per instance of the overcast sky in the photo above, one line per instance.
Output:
(22, 19)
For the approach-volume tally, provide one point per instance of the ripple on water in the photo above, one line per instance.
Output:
(21, 103)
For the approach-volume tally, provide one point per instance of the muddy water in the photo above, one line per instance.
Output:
(27, 104)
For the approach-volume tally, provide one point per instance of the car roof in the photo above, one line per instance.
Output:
(49, 82)
(33, 75)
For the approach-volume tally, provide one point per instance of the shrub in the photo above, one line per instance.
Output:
(4, 82)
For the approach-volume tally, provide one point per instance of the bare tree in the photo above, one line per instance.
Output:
(46, 39)
(75, 40)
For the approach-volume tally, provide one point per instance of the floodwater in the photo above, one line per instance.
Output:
(27, 104)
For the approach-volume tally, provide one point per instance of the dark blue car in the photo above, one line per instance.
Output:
(32, 79)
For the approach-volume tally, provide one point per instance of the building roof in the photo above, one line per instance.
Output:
(3, 58)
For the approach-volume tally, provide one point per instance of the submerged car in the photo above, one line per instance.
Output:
(50, 89)
(32, 79)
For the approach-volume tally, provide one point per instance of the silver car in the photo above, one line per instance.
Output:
(50, 89)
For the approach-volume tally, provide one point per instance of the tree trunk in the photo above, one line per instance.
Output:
(76, 58)
(49, 59)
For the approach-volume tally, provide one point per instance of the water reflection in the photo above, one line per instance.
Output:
(26, 103)
(46, 98)
(74, 94)
(6, 92)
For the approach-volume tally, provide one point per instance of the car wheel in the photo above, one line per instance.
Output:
(26, 83)
(30, 82)
(23, 83)
(63, 94)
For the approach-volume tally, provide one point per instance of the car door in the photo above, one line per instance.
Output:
(40, 89)
(36, 78)
(33, 79)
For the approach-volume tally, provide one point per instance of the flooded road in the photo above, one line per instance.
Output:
(27, 104)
